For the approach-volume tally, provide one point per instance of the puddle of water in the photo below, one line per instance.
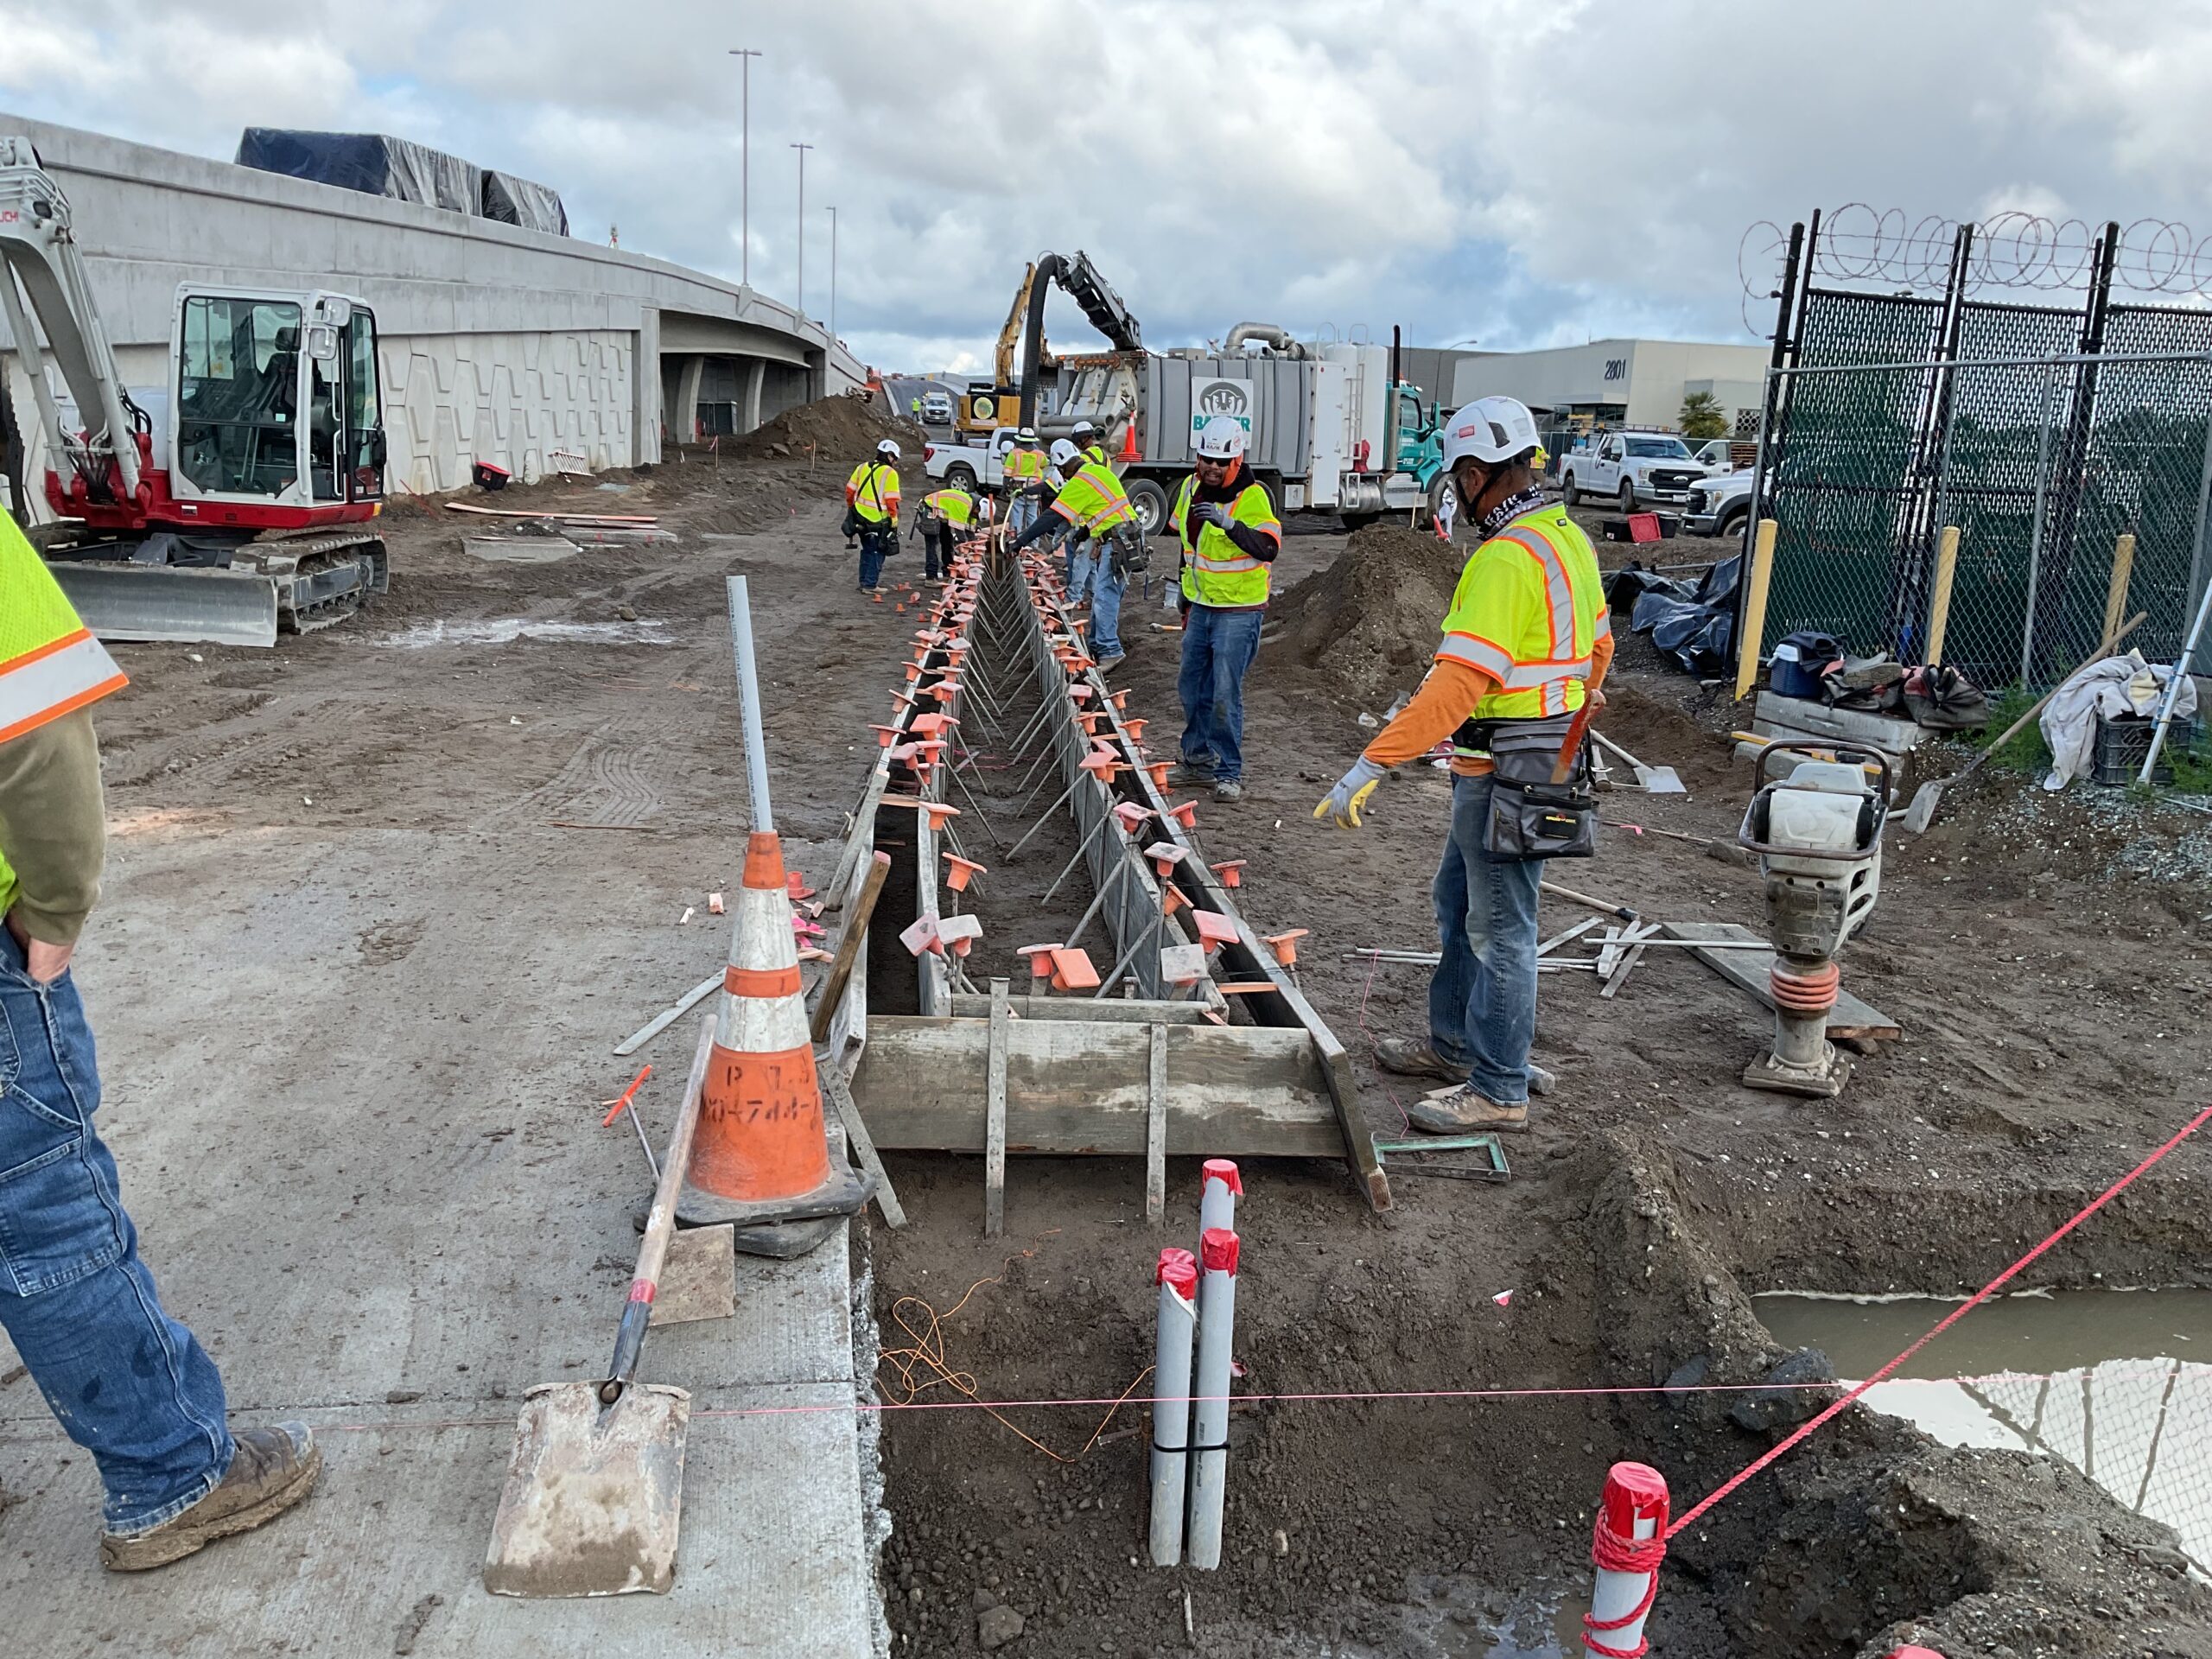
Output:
(2118, 1384)
(506, 630)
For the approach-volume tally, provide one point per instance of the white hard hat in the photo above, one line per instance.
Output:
(1490, 430)
(1066, 454)
(1027, 434)
(1084, 429)
(887, 450)
(1222, 438)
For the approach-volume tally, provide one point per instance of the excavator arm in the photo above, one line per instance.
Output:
(1010, 335)
(1080, 280)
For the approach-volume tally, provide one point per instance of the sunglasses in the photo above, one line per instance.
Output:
(1216, 461)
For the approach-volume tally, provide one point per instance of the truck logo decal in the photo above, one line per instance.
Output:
(1212, 397)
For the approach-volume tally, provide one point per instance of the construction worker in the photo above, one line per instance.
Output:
(1084, 436)
(872, 512)
(914, 408)
(944, 517)
(129, 1383)
(1105, 542)
(1023, 477)
(1226, 525)
(1526, 644)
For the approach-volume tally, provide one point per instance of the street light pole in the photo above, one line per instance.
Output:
(745, 55)
(802, 149)
(833, 274)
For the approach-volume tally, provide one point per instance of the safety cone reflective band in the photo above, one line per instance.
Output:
(761, 1153)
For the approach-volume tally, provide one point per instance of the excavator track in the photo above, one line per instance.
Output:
(321, 579)
(296, 585)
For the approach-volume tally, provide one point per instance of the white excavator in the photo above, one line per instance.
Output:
(230, 504)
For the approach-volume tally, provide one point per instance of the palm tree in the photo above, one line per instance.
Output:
(1702, 417)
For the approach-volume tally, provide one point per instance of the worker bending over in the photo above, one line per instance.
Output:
(1106, 542)
(129, 1383)
(1526, 644)
(872, 512)
(944, 516)
(1230, 536)
(1023, 475)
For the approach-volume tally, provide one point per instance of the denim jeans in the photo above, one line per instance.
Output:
(127, 1382)
(875, 546)
(1218, 647)
(1020, 513)
(1482, 1002)
(932, 540)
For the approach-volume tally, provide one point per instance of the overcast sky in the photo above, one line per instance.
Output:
(1519, 172)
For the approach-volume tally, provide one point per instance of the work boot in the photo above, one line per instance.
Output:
(1228, 789)
(1413, 1059)
(1465, 1112)
(1113, 659)
(273, 1469)
(1184, 775)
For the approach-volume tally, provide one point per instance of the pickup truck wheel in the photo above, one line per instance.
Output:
(1628, 495)
(1568, 494)
(1732, 522)
(1151, 503)
(960, 477)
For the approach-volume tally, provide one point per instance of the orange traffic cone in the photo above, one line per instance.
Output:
(761, 1153)
(1128, 440)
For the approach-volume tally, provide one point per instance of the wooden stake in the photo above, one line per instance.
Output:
(995, 1116)
(1155, 1131)
(2123, 569)
(1939, 605)
(848, 948)
(1747, 651)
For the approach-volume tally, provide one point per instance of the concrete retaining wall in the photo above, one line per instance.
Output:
(497, 344)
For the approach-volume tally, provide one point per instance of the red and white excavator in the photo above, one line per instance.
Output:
(234, 501)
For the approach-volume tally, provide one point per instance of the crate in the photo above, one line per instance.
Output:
(2123, 741)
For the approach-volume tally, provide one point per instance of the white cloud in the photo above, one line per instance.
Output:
(1521, 171)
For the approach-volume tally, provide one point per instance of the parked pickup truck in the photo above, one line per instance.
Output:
(1635, 468)
(1717, 505)
(969, 465)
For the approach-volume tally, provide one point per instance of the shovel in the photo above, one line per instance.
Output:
(1653, 780)
(595, 1486)
(1929, 795)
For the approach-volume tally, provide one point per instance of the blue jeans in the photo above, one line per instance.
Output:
(875, 545)
(1482, 1002)
(127, 1382)
(1218, 647)
(1092, 571)
(1020, 513)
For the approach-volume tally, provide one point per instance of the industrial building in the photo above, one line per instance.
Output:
(1620, 382)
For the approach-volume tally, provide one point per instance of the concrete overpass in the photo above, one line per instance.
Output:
(498, 344)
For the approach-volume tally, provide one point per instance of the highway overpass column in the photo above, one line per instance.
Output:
(756, 374)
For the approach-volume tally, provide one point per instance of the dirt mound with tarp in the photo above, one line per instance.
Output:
(838, 429)
(1370, 622)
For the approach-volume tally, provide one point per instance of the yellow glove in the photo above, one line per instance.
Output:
(1345, 803)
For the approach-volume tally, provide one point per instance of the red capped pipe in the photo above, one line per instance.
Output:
(1220, 1188)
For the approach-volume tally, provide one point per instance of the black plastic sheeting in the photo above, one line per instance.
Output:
(1693, 622)
(401, 171)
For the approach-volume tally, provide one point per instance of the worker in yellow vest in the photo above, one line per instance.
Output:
(1084, 436)
(1525, 646)
(872, 512)
(1105, 543)
(944, 516)
(129, 1382)
(1226, 524)
(1022, 475)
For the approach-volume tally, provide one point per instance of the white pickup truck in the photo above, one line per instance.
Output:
(969, 465)
(1635, 468)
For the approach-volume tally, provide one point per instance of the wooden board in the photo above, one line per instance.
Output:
(1073, 1087)
(1155, 1129)
(564, 517)
(1102, 1010)
(1747, 969)
(997, 1029)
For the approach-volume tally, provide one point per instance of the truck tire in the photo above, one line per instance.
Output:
(960, 476)
(1732, 522)
(1356, 522)
(1628, 495)
(1151, 503)
(1568, 494)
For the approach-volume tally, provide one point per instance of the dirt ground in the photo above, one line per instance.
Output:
(2051, 1004)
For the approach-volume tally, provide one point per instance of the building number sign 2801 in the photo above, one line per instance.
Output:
(1617, 368)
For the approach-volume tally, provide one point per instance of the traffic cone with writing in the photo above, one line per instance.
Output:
(762, 1155)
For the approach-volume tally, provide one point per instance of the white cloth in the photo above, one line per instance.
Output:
(2116, 686)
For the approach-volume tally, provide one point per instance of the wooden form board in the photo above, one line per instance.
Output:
(1113, 1010)
(1747, 970)
(1077, 1086)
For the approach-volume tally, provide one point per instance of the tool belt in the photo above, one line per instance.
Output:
(1530, 816)
(1126, 548)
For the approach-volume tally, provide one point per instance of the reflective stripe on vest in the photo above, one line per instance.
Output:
(1094, 498)
(1216, 571)
(1537, 645)
(957, 506)
(867, 485)
(49, 661)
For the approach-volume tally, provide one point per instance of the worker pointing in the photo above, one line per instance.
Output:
(1106, 542)
(1525, 646)
(1230, 535)
(872, 511)
(128, 1381)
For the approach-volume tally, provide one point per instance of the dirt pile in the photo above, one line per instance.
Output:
(833, 429)
(1370, 621)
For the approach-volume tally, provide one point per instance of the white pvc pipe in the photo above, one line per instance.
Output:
(1171, 1404)
(1217, 1196)
(1635, 1506)
(1210, 1415)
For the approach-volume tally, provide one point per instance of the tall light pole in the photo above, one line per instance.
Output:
(833, 275)
(802, 149)
(745, 54)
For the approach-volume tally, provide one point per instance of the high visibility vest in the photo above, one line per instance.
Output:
(1528, 611)
(954, 506)
(50, 664)
(1094, 498)
(873, 491)
(1097, 453)
(1025, 465)
(1216, 571)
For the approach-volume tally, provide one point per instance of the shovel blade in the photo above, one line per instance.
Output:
(1925, 799)
(594, 1494)
(1660, 780)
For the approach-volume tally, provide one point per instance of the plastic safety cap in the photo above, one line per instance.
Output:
(1225, 1171)
(1180, 1269)
(1217, 1249)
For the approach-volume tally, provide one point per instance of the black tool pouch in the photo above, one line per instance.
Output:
(1129, 550)
(1530, 816)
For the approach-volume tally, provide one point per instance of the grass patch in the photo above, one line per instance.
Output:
(2026, 753)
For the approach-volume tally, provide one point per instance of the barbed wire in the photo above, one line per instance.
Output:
(2013, 250)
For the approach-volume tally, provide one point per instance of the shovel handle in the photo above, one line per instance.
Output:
(660, 1222)
(1571, 745)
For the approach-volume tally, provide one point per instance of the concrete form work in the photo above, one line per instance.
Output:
(497, 344)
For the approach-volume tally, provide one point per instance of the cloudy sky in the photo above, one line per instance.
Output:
(1518, 172)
